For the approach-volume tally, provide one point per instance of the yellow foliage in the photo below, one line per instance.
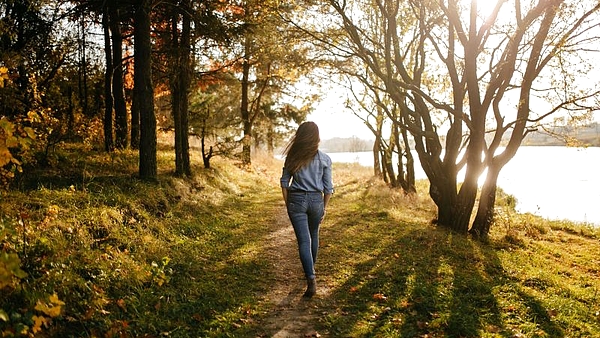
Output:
(51, 309)
(54, 300)
(38, 321)
(9, 269)
(15, 142)
(5, 155)
(3, 76)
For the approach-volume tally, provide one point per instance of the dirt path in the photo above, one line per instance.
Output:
(290, 315)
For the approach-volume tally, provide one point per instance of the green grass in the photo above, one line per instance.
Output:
(185, 258)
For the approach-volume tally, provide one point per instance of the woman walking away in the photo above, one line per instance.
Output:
(307, 186)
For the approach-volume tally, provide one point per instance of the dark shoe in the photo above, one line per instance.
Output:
(311, 288)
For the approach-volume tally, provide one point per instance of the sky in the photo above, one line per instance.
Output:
(334, 120)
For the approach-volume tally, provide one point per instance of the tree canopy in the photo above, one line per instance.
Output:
(464, 77)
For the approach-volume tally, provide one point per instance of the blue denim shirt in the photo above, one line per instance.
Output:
(316, 176)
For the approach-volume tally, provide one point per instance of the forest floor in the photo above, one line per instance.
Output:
(105, 255)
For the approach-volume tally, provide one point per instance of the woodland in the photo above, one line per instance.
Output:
(461, 83)
(448, 79)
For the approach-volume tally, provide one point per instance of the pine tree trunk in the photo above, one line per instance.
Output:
(185, 79)
(108, 99)
(244, 110)
(145, 94)
(118, 90)
(176, 90)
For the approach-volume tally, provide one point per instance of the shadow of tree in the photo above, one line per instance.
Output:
(397, 279)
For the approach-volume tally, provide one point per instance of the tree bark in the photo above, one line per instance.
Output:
(485, 211)
(376, 157)
(245, 113)
(145, 94)
(118, 90)
(135, 122)
(83, 82)
(175, 83)
(185, 78)
(108, 99)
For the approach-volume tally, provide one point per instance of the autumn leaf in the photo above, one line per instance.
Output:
(38, 321)
(3, 315)
(53, 309)
(5, 155)
(380, 297)
(54, 300)
(121, 304)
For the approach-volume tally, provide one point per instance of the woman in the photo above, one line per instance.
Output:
(307, 186)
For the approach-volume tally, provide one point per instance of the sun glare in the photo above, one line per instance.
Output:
(486, 7)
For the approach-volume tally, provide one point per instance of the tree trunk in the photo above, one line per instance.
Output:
(244, 107)
(376, 158)
(410, 180)
(145, 94)
(118, 90)
(108, 99)
(83, 92)
(180, 84)
(185, 67)
(205, 156)
(135, 122)
(487, 200)
(397, 148)
(176, 90)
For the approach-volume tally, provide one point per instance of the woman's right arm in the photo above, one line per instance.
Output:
(284, 191)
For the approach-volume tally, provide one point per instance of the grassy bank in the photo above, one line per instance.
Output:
(106, 255)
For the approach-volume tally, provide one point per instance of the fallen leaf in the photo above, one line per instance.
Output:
(121, 304)
(380, 297)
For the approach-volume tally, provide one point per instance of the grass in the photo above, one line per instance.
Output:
(185, 258)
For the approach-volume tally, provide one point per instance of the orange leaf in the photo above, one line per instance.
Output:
(121, 304)
(380, 297)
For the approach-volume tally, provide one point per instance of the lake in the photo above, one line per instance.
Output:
(552, 182)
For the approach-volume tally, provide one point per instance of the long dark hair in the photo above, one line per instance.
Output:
(302, 147)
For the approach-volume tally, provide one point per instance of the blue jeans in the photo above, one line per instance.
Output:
(305, 210)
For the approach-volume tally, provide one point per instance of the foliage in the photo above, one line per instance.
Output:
(23, 320)
(16, 142)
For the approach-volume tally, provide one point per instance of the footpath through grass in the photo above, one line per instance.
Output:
(109, 256)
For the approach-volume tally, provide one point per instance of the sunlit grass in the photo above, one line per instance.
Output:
(184, 257)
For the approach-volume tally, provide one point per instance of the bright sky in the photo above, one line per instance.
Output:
(334, 120)
(330, 114)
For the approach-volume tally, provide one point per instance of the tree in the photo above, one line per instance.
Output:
(215, 119)
(274, 126)
(180, 84)
(108, 120)
(143, 93)
(476, 77)
(118, 90)
(272, 55)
